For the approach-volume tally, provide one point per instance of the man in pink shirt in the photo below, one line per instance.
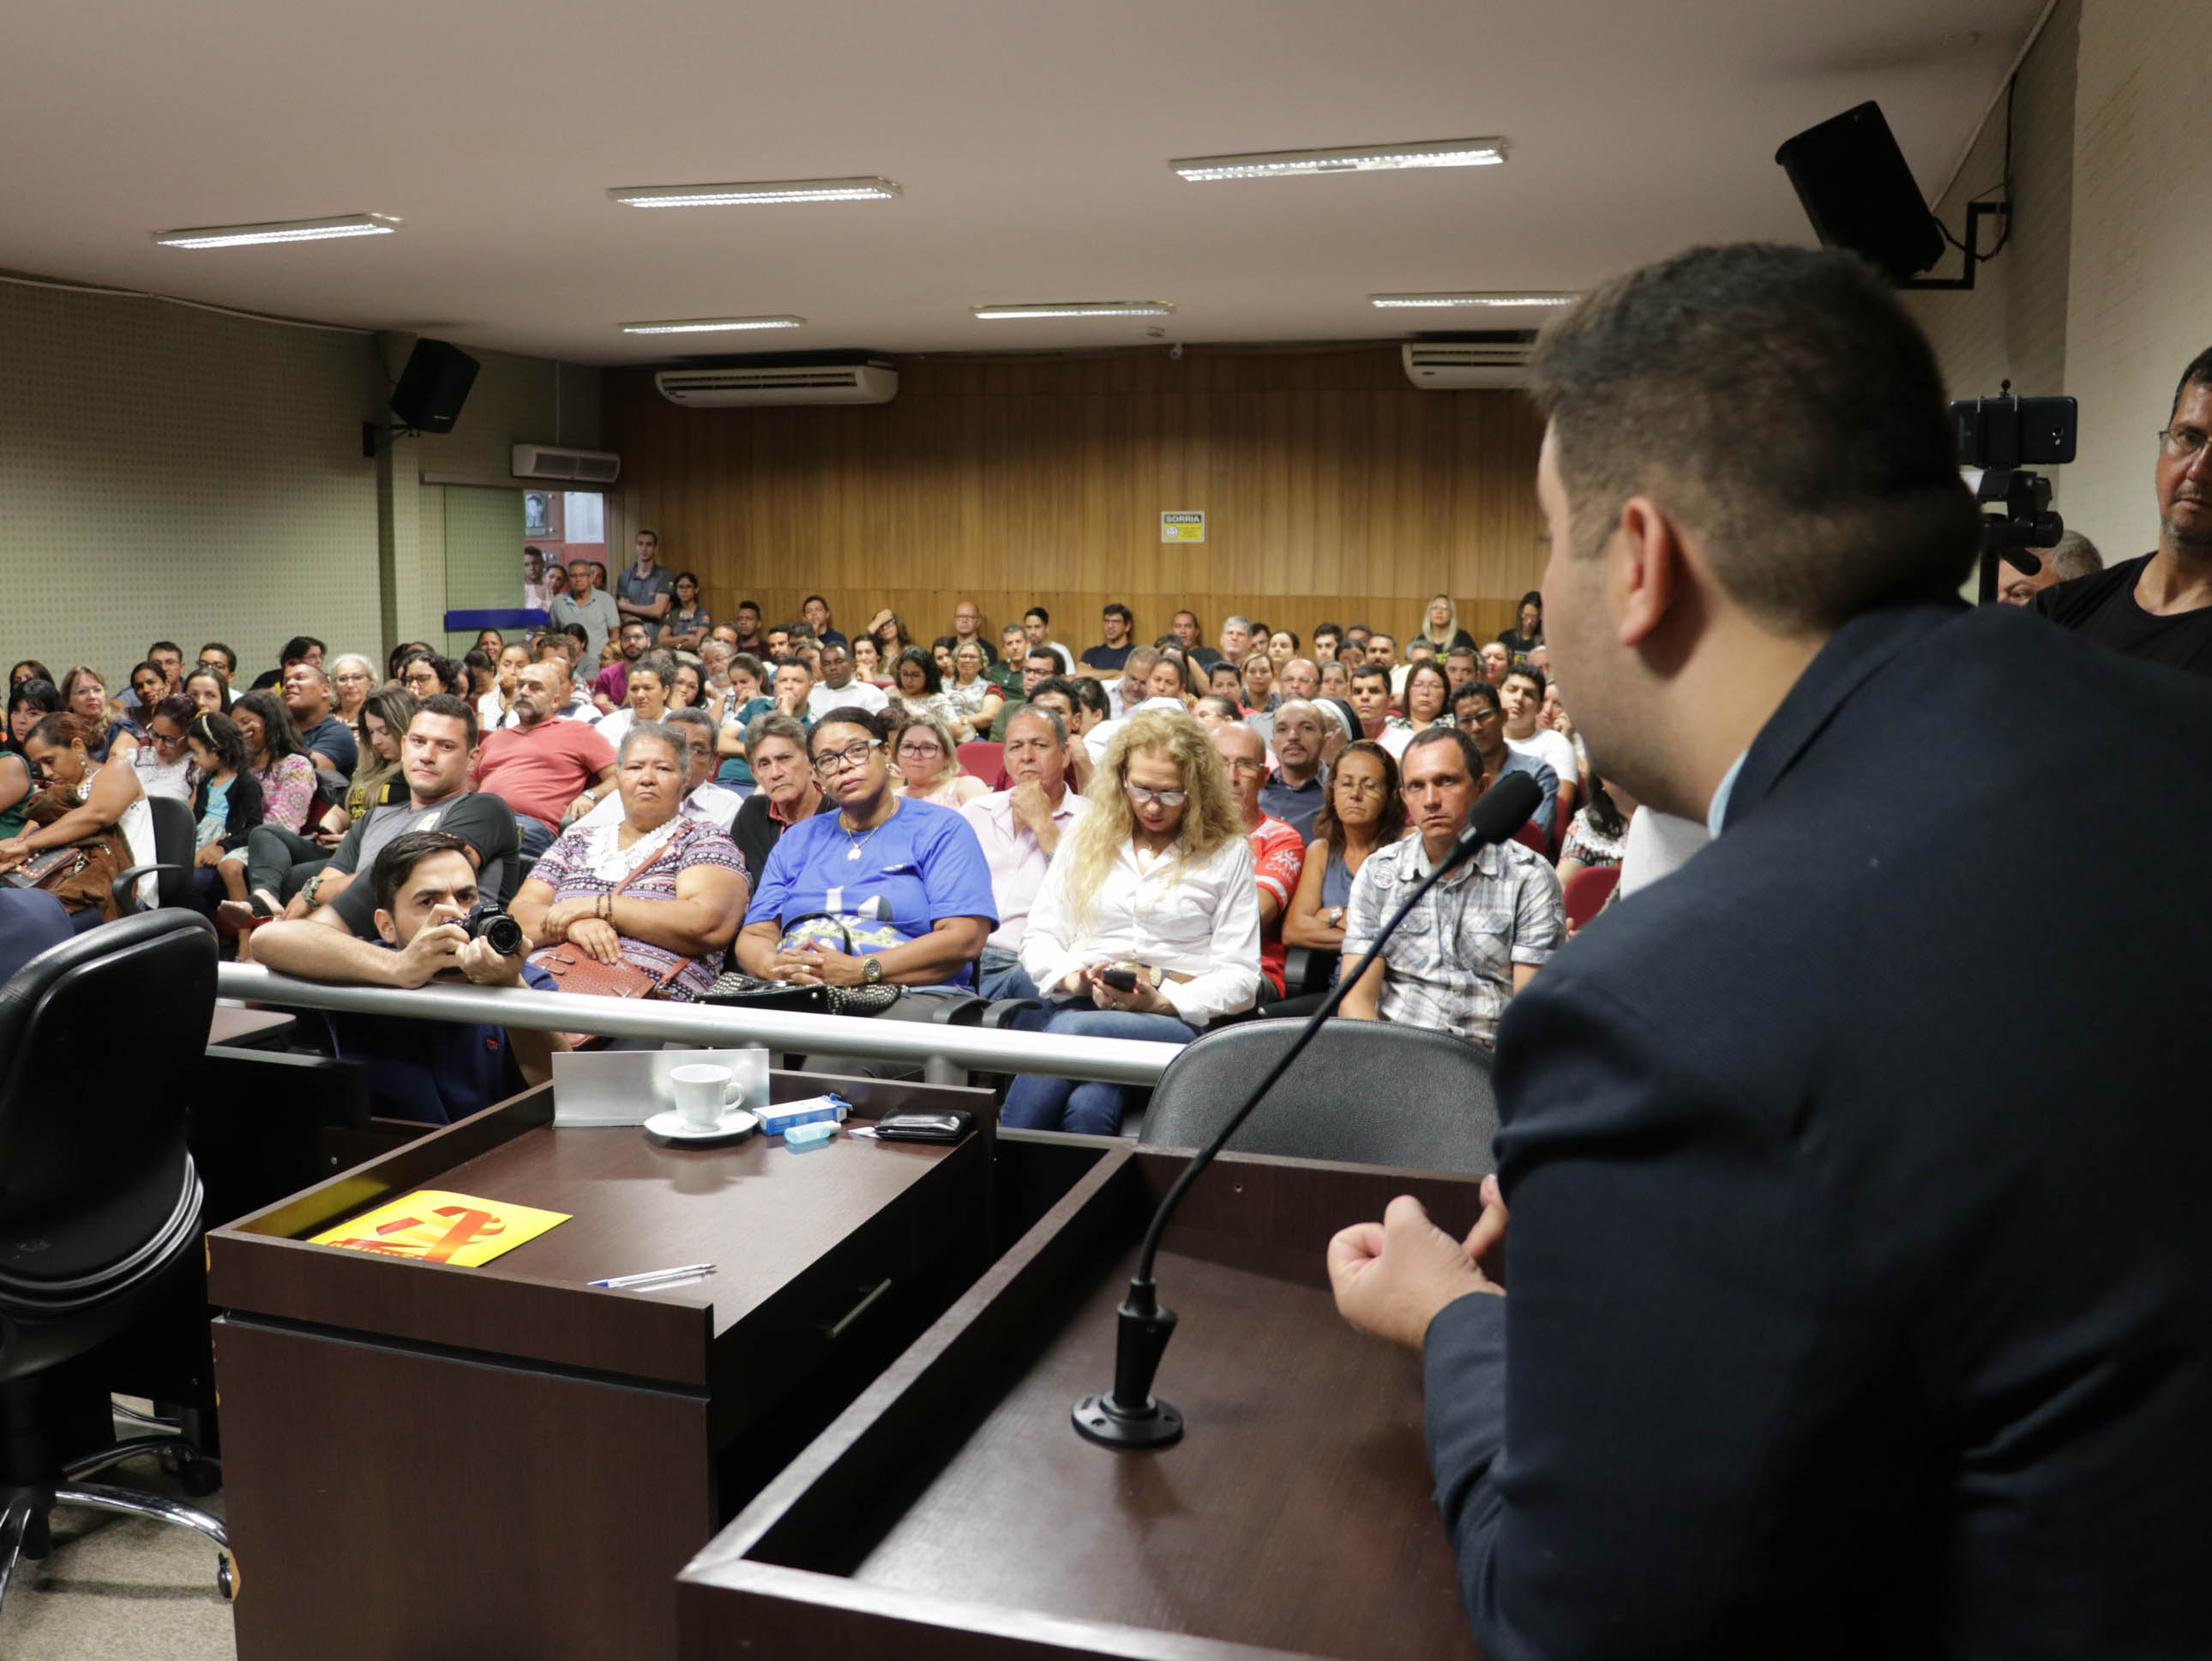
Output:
(547, 770)
(1279, 853)
(1019, 827)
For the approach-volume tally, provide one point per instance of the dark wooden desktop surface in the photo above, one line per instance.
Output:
(502, 1461)
(953, 1511)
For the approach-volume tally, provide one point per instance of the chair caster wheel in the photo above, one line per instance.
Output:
(199, 1477)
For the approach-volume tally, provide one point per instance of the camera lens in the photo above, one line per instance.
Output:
(499, 930)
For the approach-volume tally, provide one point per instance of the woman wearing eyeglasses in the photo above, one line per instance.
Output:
(163, 762)
(928, 764)
(886, 890)
(1148, 922)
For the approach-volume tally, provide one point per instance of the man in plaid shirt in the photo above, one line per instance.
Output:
(1478, 938)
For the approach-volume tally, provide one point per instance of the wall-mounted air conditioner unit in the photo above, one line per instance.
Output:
(580, 466)
(1496, 358)
(871, 381)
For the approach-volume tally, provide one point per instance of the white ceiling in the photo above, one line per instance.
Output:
(1031, 137)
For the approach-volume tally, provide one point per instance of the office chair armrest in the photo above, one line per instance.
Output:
(1306, 969)
(1002, 1013)
(964, 1011)
(127, 880)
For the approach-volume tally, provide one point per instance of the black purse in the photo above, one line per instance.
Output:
(753, 991)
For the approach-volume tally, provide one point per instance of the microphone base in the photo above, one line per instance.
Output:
(1098, 1420)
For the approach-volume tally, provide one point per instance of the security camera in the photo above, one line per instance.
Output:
(1175, 352)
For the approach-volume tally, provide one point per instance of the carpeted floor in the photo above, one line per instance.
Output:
(121, 1588)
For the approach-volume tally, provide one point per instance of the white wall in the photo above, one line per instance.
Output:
(171, 472)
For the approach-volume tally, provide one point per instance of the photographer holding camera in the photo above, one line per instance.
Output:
(434, 1071)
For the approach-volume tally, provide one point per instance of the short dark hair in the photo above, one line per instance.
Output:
(1038, 612)
(1529, 672)
(851, 715)
(1438, 734)
(1477, 688)
(1370, 671)
(1090, 695)
(165, 646)
(453, 709)
(1044, 652)
(2198, 373)
(653, 536)
(1221, 706)
(1115, 608)
(1652, 381)
(1335, 628)
(402, 854)
(814, 599)
(752, 606)
(629, 623)
(794, 662)
(296, 649)
(1065, 686)
(228, 656)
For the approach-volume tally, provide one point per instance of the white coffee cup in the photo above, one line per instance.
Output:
(703, 1093)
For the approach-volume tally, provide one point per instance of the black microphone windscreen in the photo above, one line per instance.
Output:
(1504, 808)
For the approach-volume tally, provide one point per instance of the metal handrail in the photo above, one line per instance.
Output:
(935, 1048)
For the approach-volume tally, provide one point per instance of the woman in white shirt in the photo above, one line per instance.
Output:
(1153, 886)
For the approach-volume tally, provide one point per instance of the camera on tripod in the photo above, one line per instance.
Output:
(2000, 440)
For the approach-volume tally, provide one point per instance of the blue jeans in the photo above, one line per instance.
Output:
(1001, 974)
(1090, 1109)
(532, 838)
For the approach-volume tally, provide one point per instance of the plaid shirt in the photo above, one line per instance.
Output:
(1451, 964)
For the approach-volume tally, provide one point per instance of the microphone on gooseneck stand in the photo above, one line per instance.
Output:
(1129, 1416)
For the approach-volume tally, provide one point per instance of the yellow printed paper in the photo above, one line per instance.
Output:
(437, 1227)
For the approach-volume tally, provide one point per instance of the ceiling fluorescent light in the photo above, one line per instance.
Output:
(1077, 309)
(713, 325)
(1502, 297)
(281, 230)
(1354, 158)
(776, 190)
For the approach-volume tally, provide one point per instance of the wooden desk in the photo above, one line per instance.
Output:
(234, 1024)
(503, 1461)
(952, 1510)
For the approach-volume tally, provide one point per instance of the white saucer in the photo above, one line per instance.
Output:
(736, 1124)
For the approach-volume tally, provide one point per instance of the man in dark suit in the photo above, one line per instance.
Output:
(1860, 1297)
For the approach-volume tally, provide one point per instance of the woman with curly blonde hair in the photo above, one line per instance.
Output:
(1147, 925)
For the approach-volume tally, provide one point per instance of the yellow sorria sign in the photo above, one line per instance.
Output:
(438, 1227)
(1183, 528)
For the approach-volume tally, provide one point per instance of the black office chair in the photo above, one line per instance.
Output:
(1364, 1093)
(100, 1204)
(174, 840)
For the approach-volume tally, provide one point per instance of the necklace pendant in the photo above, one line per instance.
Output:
(854, 852)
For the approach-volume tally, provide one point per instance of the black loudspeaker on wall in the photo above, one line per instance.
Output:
(1860, 194)
(433, 386)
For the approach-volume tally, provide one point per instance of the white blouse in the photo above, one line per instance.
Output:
(1200, 918)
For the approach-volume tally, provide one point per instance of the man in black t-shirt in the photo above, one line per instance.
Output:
(2160, 606)
(1106, 662)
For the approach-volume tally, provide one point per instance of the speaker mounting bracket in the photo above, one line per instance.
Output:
(372, 431)
(1976, 212)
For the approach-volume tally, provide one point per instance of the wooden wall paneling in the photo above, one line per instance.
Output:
(1333, 489)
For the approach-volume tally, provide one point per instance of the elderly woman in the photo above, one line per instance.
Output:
(100, 805)
(1147, 925)
(352, 679)
(928, 764)
(885, 891)
(652, 890)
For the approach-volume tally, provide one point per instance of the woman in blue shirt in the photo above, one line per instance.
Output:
(885, 891)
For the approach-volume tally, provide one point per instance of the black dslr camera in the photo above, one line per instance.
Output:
(496, 927)
(2002, 437)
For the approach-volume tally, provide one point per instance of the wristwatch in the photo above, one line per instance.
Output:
(871, 972)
